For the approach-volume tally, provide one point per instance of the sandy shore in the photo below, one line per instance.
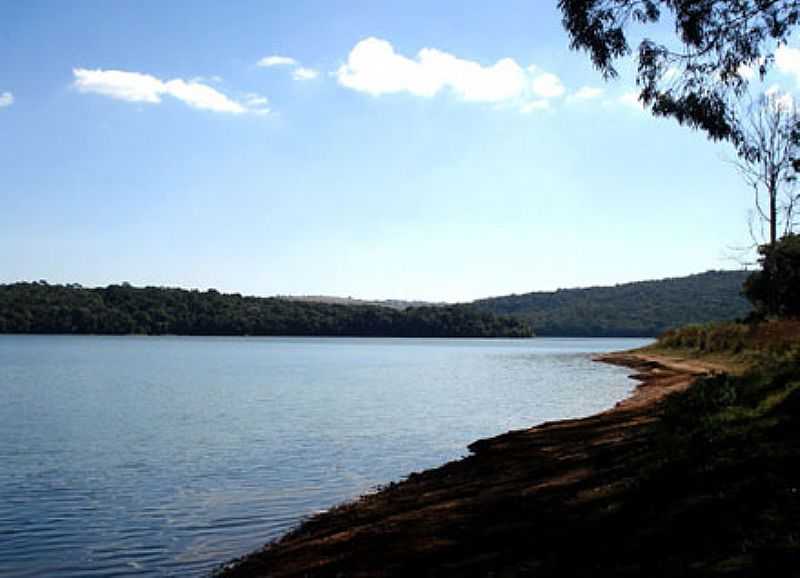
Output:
(528, 502)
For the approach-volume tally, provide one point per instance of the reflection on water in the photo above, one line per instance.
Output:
(167, 456)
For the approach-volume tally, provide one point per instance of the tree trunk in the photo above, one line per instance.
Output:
(772, 190)
(773, 230)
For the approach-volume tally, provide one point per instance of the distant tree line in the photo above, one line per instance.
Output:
(641, 309)
(123, 309)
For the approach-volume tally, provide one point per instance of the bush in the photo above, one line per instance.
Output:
(775, 290)
(707, 396)
(708, 338)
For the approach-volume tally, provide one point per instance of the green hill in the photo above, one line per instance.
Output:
(123, 309)
(641, 309)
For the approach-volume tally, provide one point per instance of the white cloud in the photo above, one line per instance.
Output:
(6, 99)
(787, 61)
(253, 100)
(747, 71)
(374, 67)
(631, 99)
(299, 72)
(534, 106)
(586, 93)
(130, 86)
(779, 99)
(202, 96)
(302, 73)
(205, 79)
(276, 60)
(546, 84)
(138, 87)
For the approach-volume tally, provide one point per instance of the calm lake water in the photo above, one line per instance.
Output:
(153, 456)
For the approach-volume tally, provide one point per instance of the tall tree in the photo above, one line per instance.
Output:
(698, 80)
(767, 161)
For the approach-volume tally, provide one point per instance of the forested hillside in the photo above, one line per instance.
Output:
(122, 309)
(645, 308)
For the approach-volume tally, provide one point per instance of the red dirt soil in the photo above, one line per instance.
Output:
(534, 502)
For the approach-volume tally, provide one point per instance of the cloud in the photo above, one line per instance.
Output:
(202, 96)
(302, 73)
(130, 86)
(747, 71)
(586, 93)
(631, 99)
(276, 60)
(752, 70)
(6, 99)
(206, 79)
(779, 99)
(534, 106)
(253, 100)
(546, 84)
(375, 68)
(138, 87)
(787, 61)
(299, 72)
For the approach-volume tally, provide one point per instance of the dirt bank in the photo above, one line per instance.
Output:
(553, 500)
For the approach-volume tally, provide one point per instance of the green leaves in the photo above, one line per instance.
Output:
(775, 290)
(696, 79)
(123, 309)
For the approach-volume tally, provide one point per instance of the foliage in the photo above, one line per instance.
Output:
(722, 406)
(761, 340)
(708, 338)
(775, 290)
(726, 450)
(643, 309)
(719, 43)
(707, 396)
(123, 309)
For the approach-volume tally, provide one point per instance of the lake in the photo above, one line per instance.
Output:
(154, 456)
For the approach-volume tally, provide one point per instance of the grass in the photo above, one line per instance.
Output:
(734, 338)
(762, 365)
(728, 446)
(733, 347)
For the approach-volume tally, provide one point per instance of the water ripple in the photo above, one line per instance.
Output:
(168, 456)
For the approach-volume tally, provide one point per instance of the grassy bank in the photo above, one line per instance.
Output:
(744, 344)
(726, 449)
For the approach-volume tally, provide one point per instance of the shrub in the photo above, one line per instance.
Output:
(775, 290)
(709, 338)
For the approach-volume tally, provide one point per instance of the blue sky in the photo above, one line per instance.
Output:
(365, 149)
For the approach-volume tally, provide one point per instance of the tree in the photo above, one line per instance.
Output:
(767, 161)
(720, 44)
(774, 289)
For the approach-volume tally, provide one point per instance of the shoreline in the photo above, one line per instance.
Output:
(503, 510)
